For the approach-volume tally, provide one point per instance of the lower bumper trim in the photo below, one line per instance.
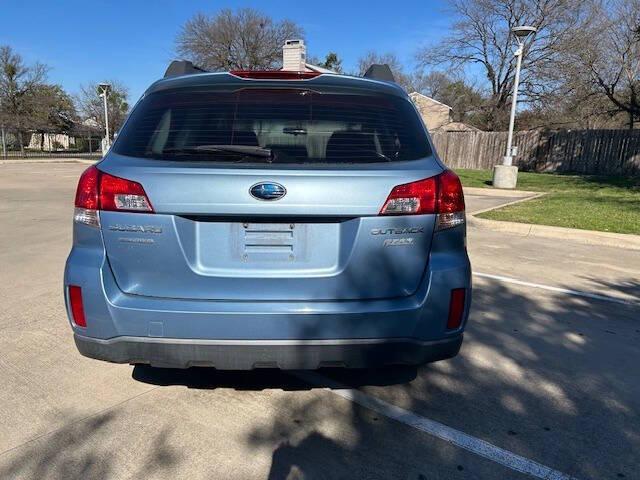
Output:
(282, 354)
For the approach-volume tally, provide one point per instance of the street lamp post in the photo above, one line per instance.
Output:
(104, 93)
(506, 175)
(4, 143)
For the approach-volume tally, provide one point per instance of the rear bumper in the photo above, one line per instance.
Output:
(248, 334)
(283, 354)
(422, 316)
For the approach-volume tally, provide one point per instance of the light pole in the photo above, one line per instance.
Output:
(506, 175)
(104, 89)
(4, 143)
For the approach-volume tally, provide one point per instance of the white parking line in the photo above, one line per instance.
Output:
(439, 430)
(578, 293)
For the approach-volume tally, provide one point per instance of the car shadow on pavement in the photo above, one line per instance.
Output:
(538, 375)
(551, 377)
(628, 289)
(261, 379)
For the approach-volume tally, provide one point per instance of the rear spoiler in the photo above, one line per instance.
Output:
(185, 67)
(381, 72)
(176, 68)
(182, 67)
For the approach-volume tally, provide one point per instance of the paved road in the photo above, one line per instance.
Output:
(549, 377)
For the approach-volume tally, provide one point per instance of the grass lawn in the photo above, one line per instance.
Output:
(607, 204)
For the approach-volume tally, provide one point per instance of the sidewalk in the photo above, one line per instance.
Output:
(481, 200)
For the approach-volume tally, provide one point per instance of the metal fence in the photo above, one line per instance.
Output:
(16, 154)
(597, 152)
(49, 145)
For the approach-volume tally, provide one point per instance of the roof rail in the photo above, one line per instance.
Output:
(182, 67)
(379, 71)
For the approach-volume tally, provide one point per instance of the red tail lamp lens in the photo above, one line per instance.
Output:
(412, 198)
(450, 196)
(120, 194)
(87, 191)
(456, 308)
(100, 191)
(439, 194)
(77, 308)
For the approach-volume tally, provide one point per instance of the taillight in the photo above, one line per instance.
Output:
(120, 194)
(450, 196)
(450, 201)
(100, 191)
(441, 195)
(87, 192)
(87, 198)
(77, 307)
(274, 74)
(412, 198)
(456, 308)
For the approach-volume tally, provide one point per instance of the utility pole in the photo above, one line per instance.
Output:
(506, 175)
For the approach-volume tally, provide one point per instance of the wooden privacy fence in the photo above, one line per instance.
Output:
(598, 152)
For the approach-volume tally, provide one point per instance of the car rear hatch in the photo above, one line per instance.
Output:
(302, 223)
(210, 239)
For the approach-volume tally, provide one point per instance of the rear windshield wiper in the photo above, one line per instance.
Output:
(379, 155)
(241, 150)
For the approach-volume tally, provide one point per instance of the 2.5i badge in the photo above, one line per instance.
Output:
(398, 242)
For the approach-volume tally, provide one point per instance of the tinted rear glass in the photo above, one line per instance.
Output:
(292, 126)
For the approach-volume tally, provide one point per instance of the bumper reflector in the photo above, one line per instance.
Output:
(77, 308)
(456, 308)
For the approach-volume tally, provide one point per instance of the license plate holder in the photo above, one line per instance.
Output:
(270, 242)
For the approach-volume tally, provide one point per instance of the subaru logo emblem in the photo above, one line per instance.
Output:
(267, 191)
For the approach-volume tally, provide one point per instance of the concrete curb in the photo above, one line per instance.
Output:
(588, 237)
(23, 161)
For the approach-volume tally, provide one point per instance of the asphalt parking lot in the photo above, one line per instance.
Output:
(547, 384)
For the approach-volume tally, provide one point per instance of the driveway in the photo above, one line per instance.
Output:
(547, 384)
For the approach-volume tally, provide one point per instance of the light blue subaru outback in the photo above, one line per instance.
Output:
(285, 220)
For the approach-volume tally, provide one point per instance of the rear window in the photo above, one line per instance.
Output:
(280, 126)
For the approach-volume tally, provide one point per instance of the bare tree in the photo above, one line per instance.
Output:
(54, 111)
(387, 58)
(481, 38)
(465, 100)
(431, 84)
(18, 85)
(91, 106)
(244, 40)
(604, 55)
